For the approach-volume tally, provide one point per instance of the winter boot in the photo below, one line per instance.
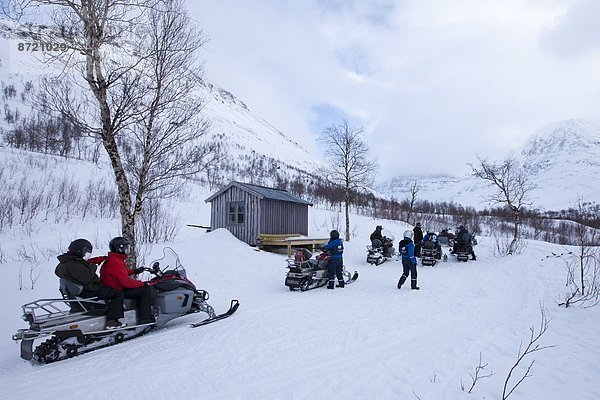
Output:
(415, 288)
(330, 285)
(341, 284)
(474, 258)
(401, 281)
(115, 324)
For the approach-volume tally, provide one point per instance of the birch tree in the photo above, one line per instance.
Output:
(350, 164)
(512, 187)
(132, 78)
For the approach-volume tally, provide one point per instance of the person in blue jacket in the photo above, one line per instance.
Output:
(409, 262)
(335, 247)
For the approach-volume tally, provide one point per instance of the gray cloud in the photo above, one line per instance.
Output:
(434, 82)
(576, 33)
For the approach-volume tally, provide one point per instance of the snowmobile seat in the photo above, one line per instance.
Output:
(428, 244)
(71, 291)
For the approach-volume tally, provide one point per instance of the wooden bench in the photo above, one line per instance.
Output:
(289, 241)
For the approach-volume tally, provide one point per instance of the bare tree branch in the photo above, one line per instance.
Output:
(531, 347)
(350, 165)
(513, 187)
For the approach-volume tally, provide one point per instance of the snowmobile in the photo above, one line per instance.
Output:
(462, 252)
(379, 251)
(431, 253)
(446, 238)
(306, 273)
(74, 325)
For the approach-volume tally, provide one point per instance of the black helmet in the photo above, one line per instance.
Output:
(80, 247)
(378, 227)
(334, 234)
(461, 228)
(119, 245)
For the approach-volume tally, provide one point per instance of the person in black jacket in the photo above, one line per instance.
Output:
(464, 239)
(417, 238)
(376, 235)
(76, 266)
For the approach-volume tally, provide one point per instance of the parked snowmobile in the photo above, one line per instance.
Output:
(74, 325)
(431, 253)
(462, 252)
(306, 273)
(446, 237)
(379, 251)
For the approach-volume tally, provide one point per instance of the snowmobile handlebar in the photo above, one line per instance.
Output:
(154, 269)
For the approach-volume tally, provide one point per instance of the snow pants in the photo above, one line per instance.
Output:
(408, 267)
(334, 270)
(113, 298)
(144, 296)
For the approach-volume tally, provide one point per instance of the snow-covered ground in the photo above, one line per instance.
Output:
(368, 340)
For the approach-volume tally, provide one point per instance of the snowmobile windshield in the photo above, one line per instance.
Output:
(388, 235)
(169, 263)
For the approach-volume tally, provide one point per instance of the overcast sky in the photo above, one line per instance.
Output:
(433, 82)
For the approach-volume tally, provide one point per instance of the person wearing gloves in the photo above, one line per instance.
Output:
(114, 274)
(409, 262)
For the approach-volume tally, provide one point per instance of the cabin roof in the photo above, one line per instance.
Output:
(262, 192)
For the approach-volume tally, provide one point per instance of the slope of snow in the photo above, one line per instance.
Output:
(245, 132)
(241, 132)
(369, 340)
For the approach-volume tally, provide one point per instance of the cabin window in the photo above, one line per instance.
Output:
(236, 213)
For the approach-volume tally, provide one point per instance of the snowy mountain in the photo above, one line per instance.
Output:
(244, 132)
(563, 158)
(246, 139)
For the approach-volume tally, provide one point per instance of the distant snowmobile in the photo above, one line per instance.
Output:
(379, 251)
(431, 253)
(306, 273)
(74, 325)
(463, 250)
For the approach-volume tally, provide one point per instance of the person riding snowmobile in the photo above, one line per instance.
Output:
(376, 235)
(335, 247)
(409, 262)
(464, 239)
(378, 240)
(76, 266)
(115, 274)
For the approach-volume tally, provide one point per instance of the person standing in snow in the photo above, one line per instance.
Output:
(409, 262)
(77, 266)
(418, 238)
(335, 247)
(114, 273)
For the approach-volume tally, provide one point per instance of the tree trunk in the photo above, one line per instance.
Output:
(513, 243)
(347, 209)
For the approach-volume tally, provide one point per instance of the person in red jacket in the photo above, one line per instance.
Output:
(114, 274)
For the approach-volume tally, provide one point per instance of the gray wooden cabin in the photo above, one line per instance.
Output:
(249, 210)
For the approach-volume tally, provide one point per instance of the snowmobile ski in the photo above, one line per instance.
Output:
(232, 308)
